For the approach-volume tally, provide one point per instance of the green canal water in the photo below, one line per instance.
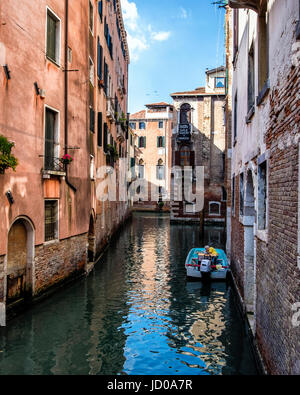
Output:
(136, 313)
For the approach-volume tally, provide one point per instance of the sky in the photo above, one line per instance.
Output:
(171, 43)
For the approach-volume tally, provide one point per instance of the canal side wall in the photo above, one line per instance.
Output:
(265, 243)
(59, 261)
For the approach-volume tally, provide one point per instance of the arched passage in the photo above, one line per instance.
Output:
(19, 261)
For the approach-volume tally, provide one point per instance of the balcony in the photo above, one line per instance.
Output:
(53, 166)
(110, 109)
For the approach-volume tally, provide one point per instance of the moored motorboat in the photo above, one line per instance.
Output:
(201, 265)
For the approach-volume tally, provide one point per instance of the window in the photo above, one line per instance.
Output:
(262, 196)
(99, 134)
(214, 208)
(51, 140)
(160, 124)
(100, 9)
(251, 79)
(99, 60)
(263, 57)
(233, 196)
(235, 32)
(92, 120)
(220, 82)
(51, 220)
(53, 37)
(160, 170)
(185, 114)
(142, 125)
(242, 194)
(161, 142)
(132, 167)
(235, 112)
(141, 169)
(91, 17)
(105, 137)
(91, 65)
(132, 125)
(185, 156)
(142, 142)
(298, 26)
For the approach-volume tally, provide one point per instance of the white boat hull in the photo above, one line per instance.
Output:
(214, 275)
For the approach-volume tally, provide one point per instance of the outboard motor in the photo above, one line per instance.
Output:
(205, 268)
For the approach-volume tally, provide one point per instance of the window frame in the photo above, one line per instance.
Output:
(56, 230)
(214, 214)
(56, 133)
(57, 59)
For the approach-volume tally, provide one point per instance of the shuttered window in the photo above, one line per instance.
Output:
(51, 220)
(50, 139)
(51, 50)
(105, 135)
(161, 142)
(99, 134)
(92, 120)
(100, 9)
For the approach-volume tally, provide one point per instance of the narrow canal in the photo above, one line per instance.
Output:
(135, 314)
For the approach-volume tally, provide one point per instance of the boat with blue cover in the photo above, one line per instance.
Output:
(200, 264)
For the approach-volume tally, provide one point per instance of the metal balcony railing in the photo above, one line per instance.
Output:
(53, 164)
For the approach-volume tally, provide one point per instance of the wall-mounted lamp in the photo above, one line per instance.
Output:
(7, 72)
(37, 89)
(9, 197)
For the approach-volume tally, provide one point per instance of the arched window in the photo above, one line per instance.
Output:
(214, 208)
(141, 168)
(160, 170)
(185, 114)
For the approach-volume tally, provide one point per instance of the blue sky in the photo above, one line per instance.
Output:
(171, 43)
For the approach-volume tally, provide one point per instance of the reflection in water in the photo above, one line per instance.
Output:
(135, 314)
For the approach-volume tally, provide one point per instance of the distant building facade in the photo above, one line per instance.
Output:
(265, 243)
(153, 129)
(199, 140)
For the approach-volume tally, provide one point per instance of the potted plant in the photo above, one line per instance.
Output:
(113, 152)
(66, 159)
(161, 205)
(7, 160)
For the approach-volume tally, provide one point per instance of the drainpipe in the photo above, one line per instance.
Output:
(66, 89)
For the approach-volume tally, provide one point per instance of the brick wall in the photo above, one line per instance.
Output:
(55, 262)
(278, 278)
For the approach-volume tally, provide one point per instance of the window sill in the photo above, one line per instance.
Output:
(250, 114)
(53, 61)
(48, 173)
(262, 235)
(50, 242)
(263, 93)
(298, 31)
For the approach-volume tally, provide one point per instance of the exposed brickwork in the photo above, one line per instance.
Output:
(278, 278)
(57, 261)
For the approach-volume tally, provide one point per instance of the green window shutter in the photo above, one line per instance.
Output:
(145, 142)
(105, 137)
(157, 142)
(99, 134)
(51, 37)
(163, 142)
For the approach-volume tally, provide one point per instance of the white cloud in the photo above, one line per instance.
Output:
(183, 13)
(130, 14)
(160, 36)
(139, 36)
